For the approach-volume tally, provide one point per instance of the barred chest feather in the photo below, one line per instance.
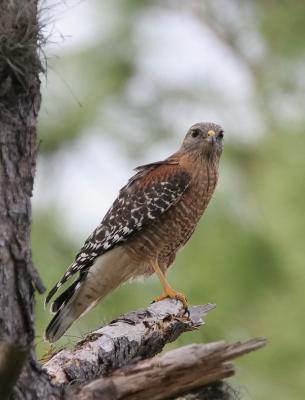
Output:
(166, 235)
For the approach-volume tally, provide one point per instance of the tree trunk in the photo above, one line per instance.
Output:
(19, 106)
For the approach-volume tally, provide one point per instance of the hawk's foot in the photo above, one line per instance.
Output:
(172, 294)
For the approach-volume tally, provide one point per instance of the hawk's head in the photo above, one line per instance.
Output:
(204, 137)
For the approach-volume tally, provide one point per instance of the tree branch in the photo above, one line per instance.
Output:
(133, 336)
(175, 373)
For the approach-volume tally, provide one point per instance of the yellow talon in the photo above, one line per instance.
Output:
(172, 294)
(168, 291)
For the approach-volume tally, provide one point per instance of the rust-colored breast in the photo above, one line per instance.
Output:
(166, 235)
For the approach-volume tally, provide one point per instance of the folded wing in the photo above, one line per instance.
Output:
(147, 195)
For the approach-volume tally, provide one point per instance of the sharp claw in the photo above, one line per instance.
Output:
(174, 295)
(183, 300)
(187, 313)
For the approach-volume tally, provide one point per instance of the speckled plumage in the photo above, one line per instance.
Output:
(152, 218)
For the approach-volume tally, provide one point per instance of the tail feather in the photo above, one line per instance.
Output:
(61, 321)
(63, 299)
(107, 273)
(64, 308)
(51, 293)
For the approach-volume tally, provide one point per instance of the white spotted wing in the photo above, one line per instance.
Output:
(148, 194)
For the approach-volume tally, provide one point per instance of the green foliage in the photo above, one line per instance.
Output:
(283, 26)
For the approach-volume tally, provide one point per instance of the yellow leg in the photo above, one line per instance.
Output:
(168, 291)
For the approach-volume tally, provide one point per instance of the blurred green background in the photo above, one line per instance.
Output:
(125, 81)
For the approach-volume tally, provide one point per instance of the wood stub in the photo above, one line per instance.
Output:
(175, 373)
(137, 335)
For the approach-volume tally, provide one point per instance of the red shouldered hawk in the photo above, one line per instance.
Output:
(153, 216)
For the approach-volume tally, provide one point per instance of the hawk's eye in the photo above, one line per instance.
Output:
(220, 134)
(195, 133)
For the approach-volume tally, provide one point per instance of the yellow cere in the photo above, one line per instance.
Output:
(211, 133)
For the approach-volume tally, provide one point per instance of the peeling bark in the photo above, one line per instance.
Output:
(120, 356)
(133, 336)
(175, 373)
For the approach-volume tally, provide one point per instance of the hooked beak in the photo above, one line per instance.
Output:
(211, 137)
